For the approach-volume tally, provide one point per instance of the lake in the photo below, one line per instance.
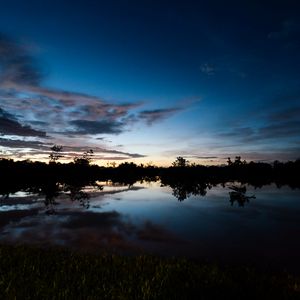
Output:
(230, 222)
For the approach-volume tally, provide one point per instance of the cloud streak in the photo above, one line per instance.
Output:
(10, 126)
(4, 142)
(156, 115)
(69, 152)
(96, 127)
(279, 125)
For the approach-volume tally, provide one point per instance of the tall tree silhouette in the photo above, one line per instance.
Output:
(180, 162)
(85, 159)
(55, 155)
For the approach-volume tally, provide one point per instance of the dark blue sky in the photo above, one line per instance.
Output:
(151, 80)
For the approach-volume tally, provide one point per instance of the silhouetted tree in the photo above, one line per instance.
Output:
(237, 161)
(85, 159)
(55, 155)
(111, 164)
(180, 162)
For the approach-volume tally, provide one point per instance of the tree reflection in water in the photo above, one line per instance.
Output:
(52, 190)
(76, 192)
(79, 190)
(238, 194)
(183, 190)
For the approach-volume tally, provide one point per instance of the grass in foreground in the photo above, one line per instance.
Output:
(34, 273)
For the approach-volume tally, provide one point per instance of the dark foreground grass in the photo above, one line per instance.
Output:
(34, 273)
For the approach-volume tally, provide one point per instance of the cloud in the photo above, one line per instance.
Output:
(21, 144)
(21, 91)
(132, 155)
(98, 150)
(208, 69)
(239, 132)
(279, 123)
(268, 154)
(96, 127)
(10, 126)
(69, 152)
(204, 157)
(271, 133)
(277, 132)
(280, 130)
(152, 116)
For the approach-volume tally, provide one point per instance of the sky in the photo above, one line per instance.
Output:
(147, 81)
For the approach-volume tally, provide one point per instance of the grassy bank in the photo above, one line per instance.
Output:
(33, 273)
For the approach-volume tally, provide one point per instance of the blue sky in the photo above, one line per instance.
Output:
(150, 80)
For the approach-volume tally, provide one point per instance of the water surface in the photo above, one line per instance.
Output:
(230, 222)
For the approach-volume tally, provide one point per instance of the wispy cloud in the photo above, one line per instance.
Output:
(10, 126)
(96, 127)
(12, 143)
(17, 146)
(279, 130)
(279, 124)
(155, 115)
(201, 157)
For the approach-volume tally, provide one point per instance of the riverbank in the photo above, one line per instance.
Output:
(35, 273)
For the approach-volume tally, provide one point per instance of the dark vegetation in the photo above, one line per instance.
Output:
(264, 173)
(185, 179)
(35, 273)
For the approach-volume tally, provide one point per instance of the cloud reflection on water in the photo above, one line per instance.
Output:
(147, 218)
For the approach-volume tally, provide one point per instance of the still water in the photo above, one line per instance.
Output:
(230, 222)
